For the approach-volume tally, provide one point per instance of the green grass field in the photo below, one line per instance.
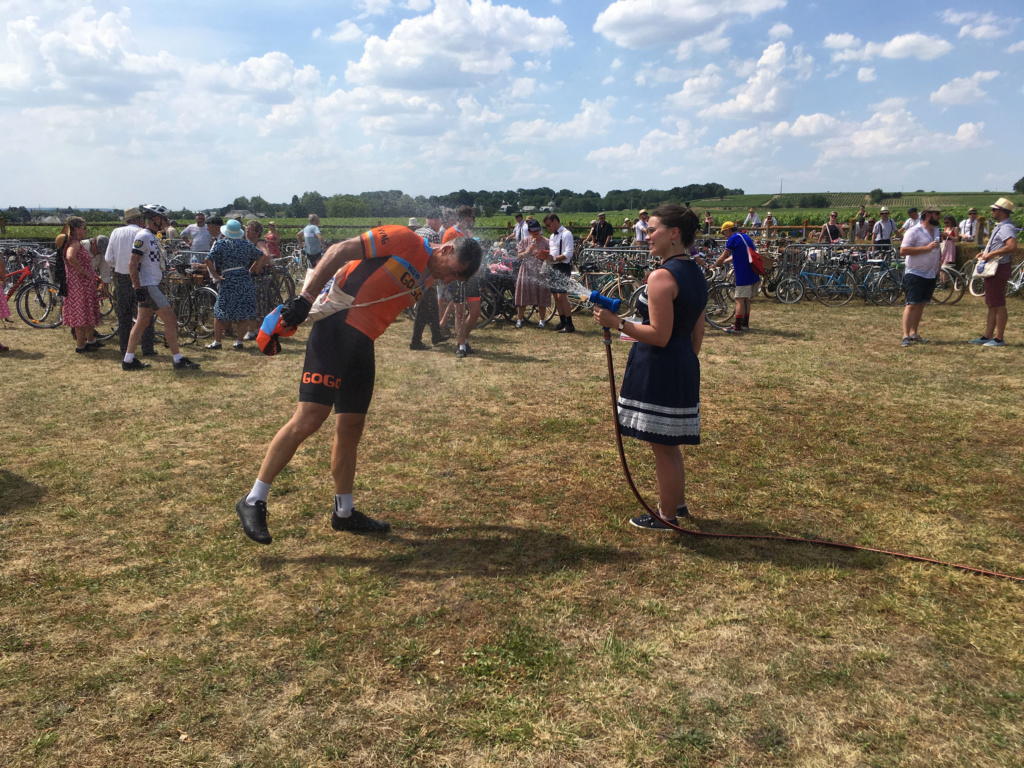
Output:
(513, 618)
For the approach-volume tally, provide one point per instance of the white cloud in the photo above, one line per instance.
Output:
(460, 42)
(699, 90)
(807, 125)
(654, 146)
(766, 90)
(374, 7)
(780, 31)
(746, 141)
(347, 32)
(1016, 47)
(963, 90)
(866, 75)
(608, 80)
(418, 5)
(980, 26)
(593, 119)
(643, 24)
(616, 63)
(914, 45)
(317, 32)
(714, 41)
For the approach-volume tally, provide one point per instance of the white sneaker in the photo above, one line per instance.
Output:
(214, 345)
(250, 336)
(519, 323)
(540, 324)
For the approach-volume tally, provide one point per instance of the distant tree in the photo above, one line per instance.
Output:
(258, 205)
(296, 210)
(1019, 187)
(346, 207)
(877, 195)
(19, 215)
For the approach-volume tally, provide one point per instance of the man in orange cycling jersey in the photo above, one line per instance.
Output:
(376, 276)
(465, 219)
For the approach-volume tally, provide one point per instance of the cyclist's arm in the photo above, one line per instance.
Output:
(337, 254)
(726, 254)
(133, 268)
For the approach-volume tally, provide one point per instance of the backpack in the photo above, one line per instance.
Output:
(756, 262)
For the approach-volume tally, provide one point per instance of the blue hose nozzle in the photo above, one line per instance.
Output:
(612, 305)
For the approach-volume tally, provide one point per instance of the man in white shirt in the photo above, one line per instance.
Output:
(560, 255)
(969, 226)
(883, 230)
(753, 221)
(311, 240)
(519, 231)
(912, 220)
(640, 228)
(118, 256)
(197, 235)
(920, 249)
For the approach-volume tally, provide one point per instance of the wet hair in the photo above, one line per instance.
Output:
(676, 217)
(469, 255)
(552, 217)
(465, 212)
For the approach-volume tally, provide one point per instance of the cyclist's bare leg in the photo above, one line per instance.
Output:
(141, 323)
(304, 422)
(170, 321)
(348, 431)
(467, 326)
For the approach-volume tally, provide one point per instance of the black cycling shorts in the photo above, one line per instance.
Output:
(340, 368)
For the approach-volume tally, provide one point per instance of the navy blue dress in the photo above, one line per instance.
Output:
(659, 401)
(236, 298)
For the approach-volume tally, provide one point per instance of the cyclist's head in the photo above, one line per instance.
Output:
(469, 254)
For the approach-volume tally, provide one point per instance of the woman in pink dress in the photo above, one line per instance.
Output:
(81, 304)
(273, 241)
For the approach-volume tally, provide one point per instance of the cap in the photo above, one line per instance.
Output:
(1003, 203)
(911, 210)
(600, 215)
(728, 225)
(533, 225)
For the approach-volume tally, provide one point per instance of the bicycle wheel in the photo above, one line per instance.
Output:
(203, 301)
(490, 304)
(790, 290)
(720, 309)
(976, 285)
(836, 287)
(944, 286)
(885, 290)
(39, 304)
(959, 287)
(623, 290)
(286, 286)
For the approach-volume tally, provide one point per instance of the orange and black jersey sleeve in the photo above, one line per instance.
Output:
(391, 276)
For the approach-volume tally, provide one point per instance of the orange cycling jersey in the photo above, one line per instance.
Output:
(394, 264)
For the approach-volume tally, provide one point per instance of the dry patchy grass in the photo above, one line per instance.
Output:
(512, 618)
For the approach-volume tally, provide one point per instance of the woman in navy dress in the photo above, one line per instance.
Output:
(659, 401)
(232, 262)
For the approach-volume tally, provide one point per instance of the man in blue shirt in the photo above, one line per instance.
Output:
(739, 246)
(311, 240)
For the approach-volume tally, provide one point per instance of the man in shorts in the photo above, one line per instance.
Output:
(146, 269)
(470, 298)
(739, 245)
(388, 261)
(311, 240)
(920, 249)
(560, 252)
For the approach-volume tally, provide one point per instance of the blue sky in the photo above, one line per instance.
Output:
(109, 103)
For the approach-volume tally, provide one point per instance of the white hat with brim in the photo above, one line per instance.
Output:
(1003, 203)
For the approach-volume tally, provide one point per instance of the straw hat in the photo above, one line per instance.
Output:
(1003, 203)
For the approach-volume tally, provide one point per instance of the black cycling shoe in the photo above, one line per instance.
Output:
(134, 365)
(185, 365)
(649, 523)
(254, 520)
(357, 522)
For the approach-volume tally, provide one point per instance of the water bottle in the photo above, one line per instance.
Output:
(981, 267)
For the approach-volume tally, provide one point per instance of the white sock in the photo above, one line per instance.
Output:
(129, 356)
(259, 492)
(343, 504)
(177, 357)
(462, 347)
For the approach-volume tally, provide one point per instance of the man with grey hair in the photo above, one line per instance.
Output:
(118, 256)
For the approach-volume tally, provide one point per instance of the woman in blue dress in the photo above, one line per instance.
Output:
(659, 401)
(232, 262)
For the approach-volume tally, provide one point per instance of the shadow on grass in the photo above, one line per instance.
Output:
(428, 553)
(17, 492)
(22, 354)
(788, 553)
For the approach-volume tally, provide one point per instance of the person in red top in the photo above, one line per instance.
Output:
(376, 276)
(464, 325)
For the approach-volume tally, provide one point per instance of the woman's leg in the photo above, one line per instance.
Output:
(218, 330)
(80, 336)
(243, 327)
(668, 465)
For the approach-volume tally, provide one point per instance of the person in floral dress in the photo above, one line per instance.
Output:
(82, 304)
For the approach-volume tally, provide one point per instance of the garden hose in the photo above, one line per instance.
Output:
(749, 536)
